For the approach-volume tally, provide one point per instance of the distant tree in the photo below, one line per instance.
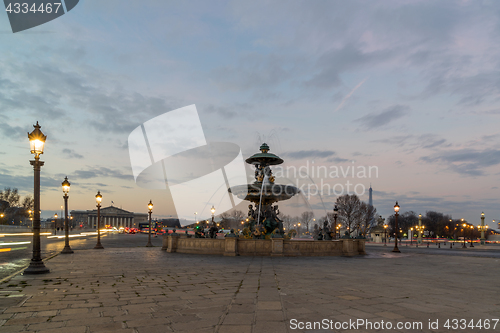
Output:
(232, 219)
(306, 218)
(287, 222)
(367, 218)
(11, 206)
(11, 196)
(406, 221)
(349, 211)
(28, 203)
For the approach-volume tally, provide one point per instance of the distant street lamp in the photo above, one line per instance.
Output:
(411, 237)
(396, 209)
(150, 207)
(213, 212)
(98, 199)
(65, 186)
(419, 240)
(55, 224)
(195, 220)
(471, 235)
(483, 239)
(335, 214)
(385, 234)
(463, 234)
(37, 142)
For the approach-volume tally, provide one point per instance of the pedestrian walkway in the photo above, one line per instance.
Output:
(149, 290)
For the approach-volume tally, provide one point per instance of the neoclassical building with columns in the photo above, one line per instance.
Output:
(113, 216)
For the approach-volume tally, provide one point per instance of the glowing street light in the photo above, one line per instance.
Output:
(98, 199)
(482, 229)
(65, 186)
(463, 233)
(396, 210)
(37, 143)
(150, 207)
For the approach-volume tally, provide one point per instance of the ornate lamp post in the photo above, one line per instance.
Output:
(471, 235)
(463, 234)
(150, 207)
(55, 224)
(65, 186)
(37, 142)
(419, 240)
(213, 212)
(98, 199)
(483, 239)
(411, 237)
(335, 214)
(385, 234)
(396, 210)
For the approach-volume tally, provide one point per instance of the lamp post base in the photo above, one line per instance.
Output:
(67, 250)
(149, 244)
(36, 267)
(98, 246)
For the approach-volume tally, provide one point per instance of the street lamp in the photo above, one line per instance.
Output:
(335, 214)
(150, 207)
(396, 210)
(213, 212)
(65, 186)
(98, 199)
(37, 143)
(55, 224)
(411, 237)
(385, 234)
(419, 240)
(483, 239)
(463, 234)
(471, 235)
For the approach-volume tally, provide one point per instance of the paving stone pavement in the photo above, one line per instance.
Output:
(149, 290)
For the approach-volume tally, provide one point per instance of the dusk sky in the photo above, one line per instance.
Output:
(409, 87)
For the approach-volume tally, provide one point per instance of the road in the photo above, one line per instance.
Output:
(20, 254)
(21, 247)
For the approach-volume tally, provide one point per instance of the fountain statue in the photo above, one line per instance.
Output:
(263, 193)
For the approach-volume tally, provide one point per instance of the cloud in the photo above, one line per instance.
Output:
(102, 172)
(301, 154)
(375, 120)
(253, 72)
(71, 153)
(412, 142)
(13, 132)
(25, 183)
(470, 162)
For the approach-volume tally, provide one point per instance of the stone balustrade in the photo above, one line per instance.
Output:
(233, 246)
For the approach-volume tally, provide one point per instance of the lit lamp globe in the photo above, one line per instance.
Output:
(65, 185)
(37, 141)
(396, 207)
(98, 197)
(212, 210)
(150, 205)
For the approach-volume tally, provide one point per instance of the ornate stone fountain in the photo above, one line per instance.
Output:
(263, 193)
